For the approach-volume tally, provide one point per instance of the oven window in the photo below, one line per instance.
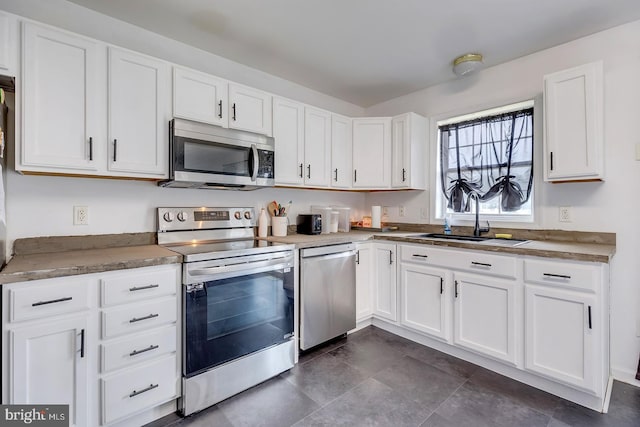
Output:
(216, 158)
(233, 317)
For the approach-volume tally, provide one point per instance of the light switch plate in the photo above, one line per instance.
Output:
(637, 151)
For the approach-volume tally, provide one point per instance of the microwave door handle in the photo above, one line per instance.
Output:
(256, 162)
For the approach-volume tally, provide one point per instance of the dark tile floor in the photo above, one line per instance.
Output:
(374, 378)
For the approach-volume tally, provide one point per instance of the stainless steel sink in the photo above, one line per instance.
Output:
(480, 239)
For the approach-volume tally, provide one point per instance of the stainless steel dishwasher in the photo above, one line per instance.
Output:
(327, 293)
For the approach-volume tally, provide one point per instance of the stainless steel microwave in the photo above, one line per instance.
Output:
(207, 156)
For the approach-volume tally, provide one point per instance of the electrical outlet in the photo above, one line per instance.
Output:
(402, 211)
(385, 210)
(565, 214)
(424, 213)
(80, 215)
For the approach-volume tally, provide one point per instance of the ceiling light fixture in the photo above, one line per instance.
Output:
(466, 64)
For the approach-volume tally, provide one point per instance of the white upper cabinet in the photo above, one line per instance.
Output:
(288, 133)
(408, 140)
(249, 109)
(138, 113)
(372, 153)
(8, 43)
(317, 147)
(574, 139)
(200, 97)
(63, 89)
(341, 151)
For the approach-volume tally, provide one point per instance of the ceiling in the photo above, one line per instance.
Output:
(369, 51)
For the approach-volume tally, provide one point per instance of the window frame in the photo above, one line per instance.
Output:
(439, 201)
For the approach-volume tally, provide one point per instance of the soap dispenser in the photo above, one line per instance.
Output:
(447, 224)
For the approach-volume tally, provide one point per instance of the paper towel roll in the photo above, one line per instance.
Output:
(376, 212)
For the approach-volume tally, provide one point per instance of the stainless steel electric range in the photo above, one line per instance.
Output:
(238, 301)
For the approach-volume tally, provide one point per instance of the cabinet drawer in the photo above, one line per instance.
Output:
(52, 297)
(137, 317)
(476, 261)
(138, 285)
(562, 273)
(139, 348)
(139, 388)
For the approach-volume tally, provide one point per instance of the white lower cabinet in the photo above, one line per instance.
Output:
(385, 281)
(545, 319)
(49, 365)
(424, 299)
(60, 349)
(484, 316)
(364, 276)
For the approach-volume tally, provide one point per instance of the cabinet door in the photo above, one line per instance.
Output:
(7, 44)
(64, 97)
(250, 109)
(561, 336)
(200, 97)
(385, 292)
(288, 133)
(574, 144)
(49, 366)
(341, 151)
(484, 318)
(138, 114)
(372, 153)
(317, 147)
(364, 280)
(423, 300)
(408, 141)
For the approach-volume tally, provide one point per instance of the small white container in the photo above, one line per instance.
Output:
(262, 223)
(344, 224)
(335, 218)
(279, 226)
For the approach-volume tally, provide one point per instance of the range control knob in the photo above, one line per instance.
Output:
(237, 215)
(168, 216)
(182, 216)
(247, 214)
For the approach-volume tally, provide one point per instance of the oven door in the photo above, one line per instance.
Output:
(208, 154)
(245, 311)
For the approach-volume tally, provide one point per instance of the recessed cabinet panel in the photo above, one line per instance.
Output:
(341, 151)
(424, 301)
(317, 147)
(385, 282)
(200, 97)
(250, 109)
(574, 142)
(484, 316)
(138, 119)
(7, 44)
(49, 366)
(62, 101)
(372, 153)
(364, 281)
(561, 330)
(288, 133)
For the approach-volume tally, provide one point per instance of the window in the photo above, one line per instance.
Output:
(488, 154)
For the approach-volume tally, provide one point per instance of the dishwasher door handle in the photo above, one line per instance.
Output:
(330, 256)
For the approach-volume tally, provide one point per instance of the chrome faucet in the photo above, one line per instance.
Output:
(477, 230)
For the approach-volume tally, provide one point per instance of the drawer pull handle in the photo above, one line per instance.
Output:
(144, 350)
(559, 276)
(480, 264)
(137, 319)
(139, 288)
(151, 387)
(53, 301)
(420, 256)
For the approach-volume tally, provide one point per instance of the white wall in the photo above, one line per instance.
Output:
(612, 206)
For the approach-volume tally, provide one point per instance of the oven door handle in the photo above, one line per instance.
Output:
(245, 268)
(256, 162)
